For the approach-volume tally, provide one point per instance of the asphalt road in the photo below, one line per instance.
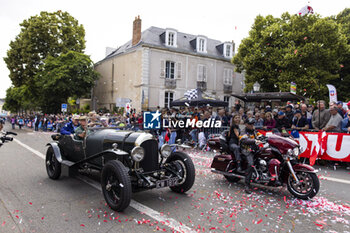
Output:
(31, 202)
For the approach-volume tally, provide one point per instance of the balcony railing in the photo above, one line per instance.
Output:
(202, 86)
(170, 83)
(227, 88)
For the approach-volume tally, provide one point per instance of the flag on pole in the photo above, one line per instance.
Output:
(332, 93)
(191, 94)
(293, 87)
(306, 10)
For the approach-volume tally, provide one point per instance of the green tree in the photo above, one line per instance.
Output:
(306, 50)
(42, 35)
(343, 82)
(70, 74)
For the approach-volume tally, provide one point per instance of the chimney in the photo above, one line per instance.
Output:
(136, 31)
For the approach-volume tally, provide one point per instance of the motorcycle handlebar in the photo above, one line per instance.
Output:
(3, 139)
(11, 133)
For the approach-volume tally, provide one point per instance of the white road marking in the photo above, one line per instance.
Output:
(335, 179)
(170, 222)
(30, 149)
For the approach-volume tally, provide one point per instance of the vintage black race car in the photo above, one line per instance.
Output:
(128, 161)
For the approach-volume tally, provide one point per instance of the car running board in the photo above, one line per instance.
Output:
(227, 173)
(67, 163)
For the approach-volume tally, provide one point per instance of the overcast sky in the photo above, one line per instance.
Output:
(109, 23)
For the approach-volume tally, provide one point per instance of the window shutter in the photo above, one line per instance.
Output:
(225, 76)
(200, 73)
(161, 99)
(162, 69)
(204, 73)
(178, 70)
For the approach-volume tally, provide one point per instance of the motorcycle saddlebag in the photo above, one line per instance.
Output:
(221, 162)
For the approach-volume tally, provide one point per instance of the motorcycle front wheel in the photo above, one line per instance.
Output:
(307, 187)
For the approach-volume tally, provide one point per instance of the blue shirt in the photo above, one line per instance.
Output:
(68, 128)
(344, 125)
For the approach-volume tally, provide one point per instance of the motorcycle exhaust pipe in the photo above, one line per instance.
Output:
(227, 173)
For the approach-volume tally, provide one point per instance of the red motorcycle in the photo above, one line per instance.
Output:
(275, 163)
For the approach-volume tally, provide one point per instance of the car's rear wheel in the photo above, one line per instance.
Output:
(116, 185)
(186, 169)
(53, 167)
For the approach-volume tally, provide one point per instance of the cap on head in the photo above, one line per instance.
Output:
(75, 117)
(297, 111)
(280, 113)
(249, 121)
(289, 106)
(82, 118)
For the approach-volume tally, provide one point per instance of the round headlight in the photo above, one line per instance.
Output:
(137, 154)
(296, 151)
(165, 151)
(290, 152)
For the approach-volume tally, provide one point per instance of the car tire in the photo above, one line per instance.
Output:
(53, 167)
(185, 161)
(116, 185)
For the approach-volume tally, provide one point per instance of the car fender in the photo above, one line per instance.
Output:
(56, 150)
(304, 168)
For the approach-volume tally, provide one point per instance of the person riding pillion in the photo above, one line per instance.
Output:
(248, 143)
(233, 136)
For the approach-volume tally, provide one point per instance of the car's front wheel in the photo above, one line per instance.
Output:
(53, 167)
(116, 185)
(185, 168)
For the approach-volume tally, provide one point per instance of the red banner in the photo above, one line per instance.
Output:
(327, 146)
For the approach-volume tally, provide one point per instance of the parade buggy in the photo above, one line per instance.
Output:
(127, 162)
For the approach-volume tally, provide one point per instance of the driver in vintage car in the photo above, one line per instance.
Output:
(248, 145)
(81, 131)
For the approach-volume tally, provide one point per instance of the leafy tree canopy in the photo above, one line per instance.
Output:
(307, 50)
(70, 74)
(42, 35)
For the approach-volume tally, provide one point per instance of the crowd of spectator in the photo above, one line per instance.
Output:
(283, 118)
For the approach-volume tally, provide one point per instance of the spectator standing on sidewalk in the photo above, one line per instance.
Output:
(334, 123)
(20, 122)
(345, 124)
(321, 116)
(13, 122)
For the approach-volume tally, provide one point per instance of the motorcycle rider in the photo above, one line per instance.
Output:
(233, 136)
(248, 144)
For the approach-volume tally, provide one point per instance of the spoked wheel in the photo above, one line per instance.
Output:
(307, 187)
(116, 185)
(53, 167)
(186, 170)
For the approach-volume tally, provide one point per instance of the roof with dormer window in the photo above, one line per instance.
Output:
(154, 37)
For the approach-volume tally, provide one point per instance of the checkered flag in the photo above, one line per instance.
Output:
(191, 94)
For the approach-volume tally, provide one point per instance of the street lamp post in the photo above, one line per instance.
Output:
(256, 87)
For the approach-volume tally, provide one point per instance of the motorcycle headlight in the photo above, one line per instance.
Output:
(165, 151)
(290, 152)
(296, 151)
(137, 154)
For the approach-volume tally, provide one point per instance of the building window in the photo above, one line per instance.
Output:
(227, 50)
(202, 73)
(228, 76)
(201, 45)
(170, 39)
(170, 69)
(169, 97)
(227, 98)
